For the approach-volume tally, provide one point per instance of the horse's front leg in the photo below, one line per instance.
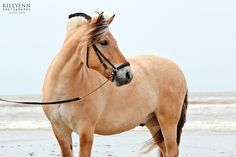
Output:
(64, 139)
(86, 135)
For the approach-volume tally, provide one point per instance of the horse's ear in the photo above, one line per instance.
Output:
(109, 20)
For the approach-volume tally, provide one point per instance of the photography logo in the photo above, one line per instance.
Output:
(16, 8)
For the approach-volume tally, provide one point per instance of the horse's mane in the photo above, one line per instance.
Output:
(76, 20)
(96, 26)
(80, 14)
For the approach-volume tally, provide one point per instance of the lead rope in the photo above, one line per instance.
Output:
(95, 89)
(55, 102)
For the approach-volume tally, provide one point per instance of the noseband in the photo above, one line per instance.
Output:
(103, 61)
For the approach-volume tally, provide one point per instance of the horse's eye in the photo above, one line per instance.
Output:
(103, 42)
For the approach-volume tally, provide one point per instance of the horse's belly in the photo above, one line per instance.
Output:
(122, 121)
(111, 129)
(114, 127)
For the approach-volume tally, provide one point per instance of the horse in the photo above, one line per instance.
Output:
(145, 90)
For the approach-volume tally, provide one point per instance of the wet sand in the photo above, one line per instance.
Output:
(26, 143)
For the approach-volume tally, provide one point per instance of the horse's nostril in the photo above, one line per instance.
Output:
(124, 76)
(127, 75)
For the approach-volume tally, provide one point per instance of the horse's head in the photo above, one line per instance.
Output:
(102, 53)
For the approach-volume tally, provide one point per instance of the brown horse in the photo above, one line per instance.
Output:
(156, 97)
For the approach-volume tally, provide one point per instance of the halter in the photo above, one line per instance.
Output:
(103, 61)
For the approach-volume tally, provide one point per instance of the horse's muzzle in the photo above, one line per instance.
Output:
(122, 75)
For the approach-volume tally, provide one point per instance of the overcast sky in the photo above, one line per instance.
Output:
(198, 35)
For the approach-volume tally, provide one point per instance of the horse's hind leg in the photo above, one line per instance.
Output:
(169, 133)
(65, 141)
(168, 118)
(171, 115)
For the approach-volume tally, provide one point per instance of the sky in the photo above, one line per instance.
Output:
(200, 36)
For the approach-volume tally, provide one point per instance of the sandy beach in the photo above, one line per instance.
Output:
(43, 144)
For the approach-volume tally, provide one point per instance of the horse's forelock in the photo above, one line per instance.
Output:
(98, 27)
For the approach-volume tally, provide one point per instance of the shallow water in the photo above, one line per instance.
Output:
(206, 112)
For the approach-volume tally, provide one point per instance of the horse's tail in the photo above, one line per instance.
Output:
(182, 119)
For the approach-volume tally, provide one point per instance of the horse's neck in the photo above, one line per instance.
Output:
(70, 54)
(67, 72)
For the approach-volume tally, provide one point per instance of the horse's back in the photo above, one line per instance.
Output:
(158, 69)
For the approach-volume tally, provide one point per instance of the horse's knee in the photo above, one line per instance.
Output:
(86, 139)
(86, 142)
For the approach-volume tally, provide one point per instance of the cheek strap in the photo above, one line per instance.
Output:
(102, 60)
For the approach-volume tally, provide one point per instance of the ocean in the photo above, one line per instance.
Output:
(206, 112)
